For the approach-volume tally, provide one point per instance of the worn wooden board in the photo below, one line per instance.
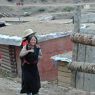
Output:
(5, 63)
(4, 69)
(81, 58)
(6, 66)
(85, 81)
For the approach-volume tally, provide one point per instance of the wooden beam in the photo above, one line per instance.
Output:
(81, 67)
(86, 39)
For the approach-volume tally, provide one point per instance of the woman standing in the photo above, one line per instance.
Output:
(30, 55)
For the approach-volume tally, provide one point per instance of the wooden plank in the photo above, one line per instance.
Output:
(79, 80)
(6, 58)
(4, 47)
(4, 50)
(87, 82)
(81, 58)
(5, 53)
(89, 79)
(81, 53)
(2, 68)
(6, 67)
(6, 63)
(83, 80)
(90, 54)
(91, 82)
(86, 55)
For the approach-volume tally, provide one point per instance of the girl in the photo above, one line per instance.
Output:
(30, 55)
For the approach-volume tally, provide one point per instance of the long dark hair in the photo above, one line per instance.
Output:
(30, 37)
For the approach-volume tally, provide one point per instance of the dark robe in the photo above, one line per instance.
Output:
(30, 73)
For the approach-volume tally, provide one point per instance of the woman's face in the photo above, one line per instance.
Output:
(33, 41)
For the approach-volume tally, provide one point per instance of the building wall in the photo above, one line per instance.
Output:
(8, 60)
(64, 75)
(5, 62)
(49, 48)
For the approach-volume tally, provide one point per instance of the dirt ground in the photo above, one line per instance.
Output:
(12, 87)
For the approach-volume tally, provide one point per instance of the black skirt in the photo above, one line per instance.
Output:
(30, 79)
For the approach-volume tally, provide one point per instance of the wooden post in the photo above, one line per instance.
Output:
(13, 60)
(77, 15)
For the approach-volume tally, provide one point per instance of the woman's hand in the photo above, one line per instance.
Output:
(25, 52)
(31, 50)
(37, 45)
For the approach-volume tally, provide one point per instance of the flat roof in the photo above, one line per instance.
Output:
(65, 57)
